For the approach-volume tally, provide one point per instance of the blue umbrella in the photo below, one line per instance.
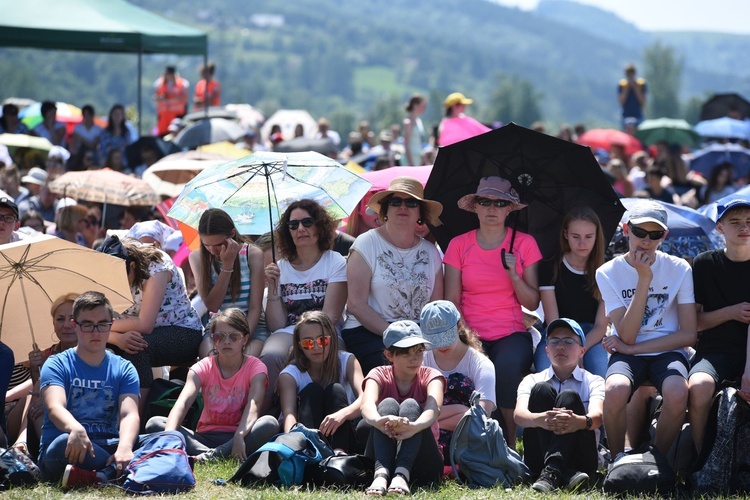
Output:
(707, 159)
(724, 128)
(690, 232)
(710, 209)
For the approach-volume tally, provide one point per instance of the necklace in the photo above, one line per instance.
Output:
(402, 258)
(221, 370)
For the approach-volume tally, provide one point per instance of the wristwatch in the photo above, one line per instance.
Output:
(589, 423)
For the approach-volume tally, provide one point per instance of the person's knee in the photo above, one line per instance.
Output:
(388, 406)
(266, 427)
(334, 391)
(701, 389)
(568, 399)
(617, 389)
(674, 392)
(156, 424)
(312, 391)
(410, 409)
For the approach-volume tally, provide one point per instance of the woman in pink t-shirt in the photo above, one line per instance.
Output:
(488, 295)
(232, 384)
(401, 404)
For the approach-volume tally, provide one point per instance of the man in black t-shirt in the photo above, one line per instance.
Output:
(722, 298)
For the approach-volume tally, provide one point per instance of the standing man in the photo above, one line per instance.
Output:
(722, 299)
(90, 400)
(559, 408)
(631, 93)
(648, 296)
(171, 96)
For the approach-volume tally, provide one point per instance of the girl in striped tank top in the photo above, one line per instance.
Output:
(228, 273)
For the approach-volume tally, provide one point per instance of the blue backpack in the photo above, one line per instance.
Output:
(160, 465)
(281, 462)
(478, 450)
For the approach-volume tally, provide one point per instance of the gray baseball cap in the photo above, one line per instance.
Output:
(648, 211)
(403, 334)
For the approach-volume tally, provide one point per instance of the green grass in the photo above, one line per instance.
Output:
(205, 489)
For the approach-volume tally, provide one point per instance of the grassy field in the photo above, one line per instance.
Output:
(205, 489)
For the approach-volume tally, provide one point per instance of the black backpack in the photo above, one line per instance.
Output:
(642, 473)
(724, 465)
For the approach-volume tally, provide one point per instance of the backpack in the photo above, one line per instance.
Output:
(282, 461)
(479, 451)
(645, 473)
(160, 465)
(163, 396)
(726, 460)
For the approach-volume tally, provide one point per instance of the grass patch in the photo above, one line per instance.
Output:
(205, 473)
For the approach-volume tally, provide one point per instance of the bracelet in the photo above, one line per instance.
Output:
(274, 299)
(227, 270)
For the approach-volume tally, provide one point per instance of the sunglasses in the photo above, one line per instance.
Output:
(486, 202)
(642, 233)
(566, 341)
(397, 202)
(309, 344)
(219, 337)
(294, 223)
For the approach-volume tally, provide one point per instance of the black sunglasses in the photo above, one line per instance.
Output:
(397, 202)
(486, 202)
(642, 233)
(294, 224)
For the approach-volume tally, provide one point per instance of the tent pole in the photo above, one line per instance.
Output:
(140, 92)
(205, 92)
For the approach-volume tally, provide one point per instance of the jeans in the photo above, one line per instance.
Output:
(52, 460)
(595, 360)
(391, 454)
(366, 346)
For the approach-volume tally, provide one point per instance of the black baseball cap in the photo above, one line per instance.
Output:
(7, 202)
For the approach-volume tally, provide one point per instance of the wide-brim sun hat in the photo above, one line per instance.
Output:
(414, 189)
(493, 188)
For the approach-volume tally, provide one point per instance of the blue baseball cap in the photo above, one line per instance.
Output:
(439, 323)
(570, 324)
(735, 203)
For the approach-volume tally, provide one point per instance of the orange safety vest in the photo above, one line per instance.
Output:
(172, 99)
(213, 88)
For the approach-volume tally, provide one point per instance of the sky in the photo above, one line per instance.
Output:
(726, 16)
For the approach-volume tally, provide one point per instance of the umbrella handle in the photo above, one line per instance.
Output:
(502, 258)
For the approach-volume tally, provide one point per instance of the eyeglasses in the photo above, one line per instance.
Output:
(642, 233)
(486, 202)
(219, 337)
(89, 327)
(294, 223)
(566, 341)
(397, 202)
(8, 219)
(309, 344)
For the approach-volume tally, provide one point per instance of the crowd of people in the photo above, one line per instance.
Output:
(378, 337)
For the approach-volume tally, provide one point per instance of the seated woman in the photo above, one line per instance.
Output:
(456, 352)
(391, 272)
(401, 403)
(161, 328)
(228, 273)
(19, 417)
(232, 384)
(308, 277)
(322, 386)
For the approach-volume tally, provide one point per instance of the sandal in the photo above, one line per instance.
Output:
(399, 489)
(378, 491)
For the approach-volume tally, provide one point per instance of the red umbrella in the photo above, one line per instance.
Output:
(605, 138)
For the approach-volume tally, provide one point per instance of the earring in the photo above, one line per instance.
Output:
(420, 221)
(385, 218)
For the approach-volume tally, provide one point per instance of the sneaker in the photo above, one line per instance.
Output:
(548, 481)
(575, 479)
(75, 477)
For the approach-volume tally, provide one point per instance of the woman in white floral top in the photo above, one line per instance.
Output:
(161, 328)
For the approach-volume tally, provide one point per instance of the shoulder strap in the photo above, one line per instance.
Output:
(281, 448)
(454, 441)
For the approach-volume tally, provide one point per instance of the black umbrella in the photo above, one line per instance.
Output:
(208, 132)
(302, 144)
(552, 176)
(720, 105)
(162, 148)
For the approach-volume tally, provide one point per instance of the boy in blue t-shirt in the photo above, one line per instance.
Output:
(85, 391)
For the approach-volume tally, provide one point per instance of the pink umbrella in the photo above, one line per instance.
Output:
(460, 128)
